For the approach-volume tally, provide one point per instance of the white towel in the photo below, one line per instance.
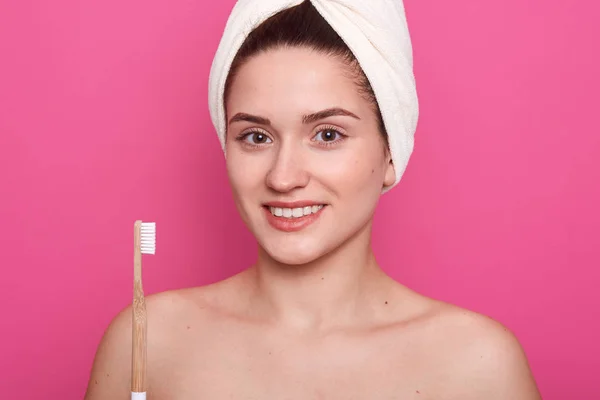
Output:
(377, 33)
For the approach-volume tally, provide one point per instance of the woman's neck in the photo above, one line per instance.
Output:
(338, 289)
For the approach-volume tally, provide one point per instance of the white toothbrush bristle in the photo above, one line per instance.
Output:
(148, 237)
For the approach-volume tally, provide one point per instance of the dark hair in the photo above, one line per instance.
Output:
(302, 26)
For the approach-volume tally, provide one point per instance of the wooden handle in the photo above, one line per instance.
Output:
(139, 326)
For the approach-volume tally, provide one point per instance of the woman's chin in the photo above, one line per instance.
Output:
(295, 253)
(293, 257)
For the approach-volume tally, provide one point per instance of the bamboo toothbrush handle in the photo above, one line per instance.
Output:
(139, 327)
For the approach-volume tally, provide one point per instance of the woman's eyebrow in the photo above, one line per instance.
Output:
(249, 118)
(330, 112)
(306, 119)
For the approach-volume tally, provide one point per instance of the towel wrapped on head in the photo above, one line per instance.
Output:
(376, 32)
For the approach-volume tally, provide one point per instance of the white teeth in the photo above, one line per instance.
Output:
(294, 212)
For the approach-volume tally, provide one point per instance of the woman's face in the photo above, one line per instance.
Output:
(305, 159)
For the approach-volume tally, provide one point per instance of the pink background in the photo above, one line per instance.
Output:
(104, 119)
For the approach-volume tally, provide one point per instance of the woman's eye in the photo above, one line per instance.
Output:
(328, 135)
(257, 138)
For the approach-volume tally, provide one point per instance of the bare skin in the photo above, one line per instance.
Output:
(315, 317)
(208, 344)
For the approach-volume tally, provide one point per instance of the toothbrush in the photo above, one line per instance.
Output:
(144, 234)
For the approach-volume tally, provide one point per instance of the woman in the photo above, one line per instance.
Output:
(308, 157)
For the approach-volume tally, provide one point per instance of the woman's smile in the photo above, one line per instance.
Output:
(292, 217)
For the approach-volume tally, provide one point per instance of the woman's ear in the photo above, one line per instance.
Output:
(390, 173)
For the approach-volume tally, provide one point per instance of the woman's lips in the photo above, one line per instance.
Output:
(291, 224)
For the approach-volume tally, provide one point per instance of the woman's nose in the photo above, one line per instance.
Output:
(288, 171)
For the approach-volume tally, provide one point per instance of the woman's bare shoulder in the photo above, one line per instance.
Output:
(170, 314)
(475, 348)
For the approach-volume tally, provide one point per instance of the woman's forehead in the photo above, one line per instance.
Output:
(295, 76)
